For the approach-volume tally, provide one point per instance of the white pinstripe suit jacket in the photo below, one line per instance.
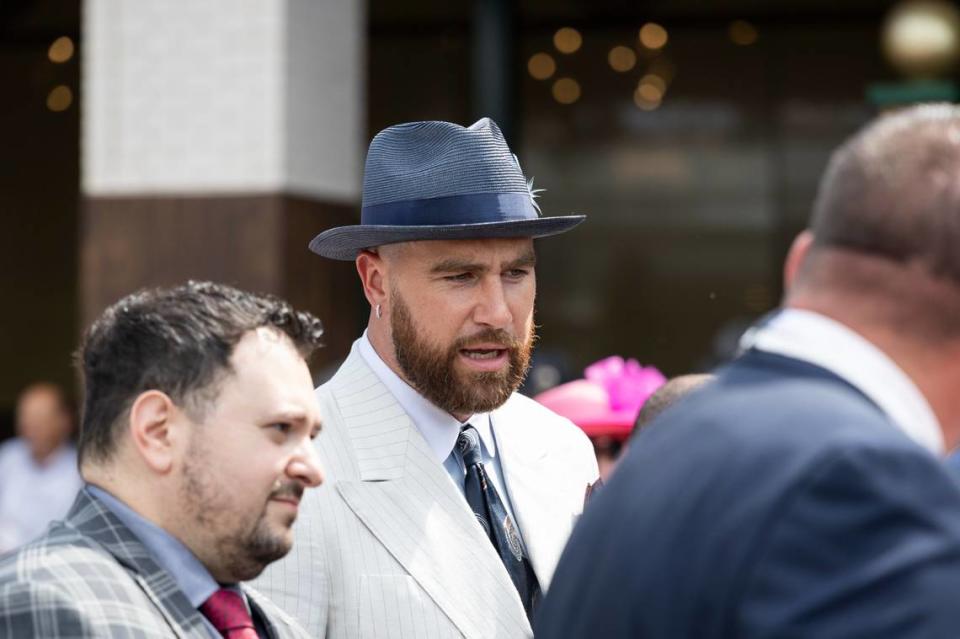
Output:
(388, 547)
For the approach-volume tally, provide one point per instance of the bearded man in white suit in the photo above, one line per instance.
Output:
(449, 496)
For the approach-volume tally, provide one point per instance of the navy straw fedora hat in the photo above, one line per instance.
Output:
(436, 181)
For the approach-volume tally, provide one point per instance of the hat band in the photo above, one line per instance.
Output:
(476, 208)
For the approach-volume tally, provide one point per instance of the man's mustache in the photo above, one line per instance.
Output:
(289, 490)
(488, 336)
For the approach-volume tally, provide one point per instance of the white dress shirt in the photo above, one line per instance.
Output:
(439, 428)
(31, 494)
(819, 340)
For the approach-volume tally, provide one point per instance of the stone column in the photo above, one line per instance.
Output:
(218, 136)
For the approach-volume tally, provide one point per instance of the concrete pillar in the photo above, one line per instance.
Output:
(218, 136)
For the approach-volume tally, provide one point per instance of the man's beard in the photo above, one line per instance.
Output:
(243, 547)
(432, 370)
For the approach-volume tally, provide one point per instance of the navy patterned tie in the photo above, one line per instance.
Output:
(496, 521)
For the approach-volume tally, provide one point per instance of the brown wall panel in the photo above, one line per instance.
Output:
(330, 288)
(256, 242)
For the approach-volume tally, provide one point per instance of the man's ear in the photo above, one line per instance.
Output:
(795, 258)
(371, 268)
(153, 428)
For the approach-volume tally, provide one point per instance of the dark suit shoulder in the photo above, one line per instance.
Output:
(876, 530)
(775, 457)
(772, 414)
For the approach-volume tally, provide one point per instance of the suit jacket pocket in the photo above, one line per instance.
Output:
(395, 607)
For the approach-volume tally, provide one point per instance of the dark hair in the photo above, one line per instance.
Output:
(893, 191)
(666, 396)
(176, 340)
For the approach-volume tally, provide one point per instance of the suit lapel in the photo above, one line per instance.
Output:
(94, 520)
(409, 503)
(543, 520)
(274, 621)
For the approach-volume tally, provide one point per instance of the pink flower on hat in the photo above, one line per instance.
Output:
(607, 401)
(628, 384)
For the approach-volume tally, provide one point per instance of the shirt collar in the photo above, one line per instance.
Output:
(190, 575)
(819, 340)
(436, 425)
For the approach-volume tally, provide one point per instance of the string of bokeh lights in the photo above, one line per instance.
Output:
(656, 71)
(60, 97)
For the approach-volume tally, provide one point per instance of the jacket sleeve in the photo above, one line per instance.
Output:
(32, 609)
(867, 545)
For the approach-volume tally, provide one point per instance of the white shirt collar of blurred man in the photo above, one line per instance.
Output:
(819, 340)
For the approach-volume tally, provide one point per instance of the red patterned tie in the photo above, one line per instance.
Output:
(227, 612)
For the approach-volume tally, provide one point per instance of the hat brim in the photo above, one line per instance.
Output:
(344, 242)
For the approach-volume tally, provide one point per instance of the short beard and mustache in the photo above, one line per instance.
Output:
(432, 370)
(247, 547)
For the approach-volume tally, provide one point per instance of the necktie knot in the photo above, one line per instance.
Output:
(228, 613)
(468, 443)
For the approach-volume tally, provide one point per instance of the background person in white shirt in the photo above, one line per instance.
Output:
(38, 468)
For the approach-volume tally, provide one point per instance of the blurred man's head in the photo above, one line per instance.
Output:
(199, 413)
(881, 255)
(44, 419)
(893, 190)
(455, 317)
(666, 396)
(886, 225)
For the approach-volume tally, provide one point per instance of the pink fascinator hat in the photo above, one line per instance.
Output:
(607, 401)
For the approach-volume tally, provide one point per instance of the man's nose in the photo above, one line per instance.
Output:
(492, 308)
(305, 466)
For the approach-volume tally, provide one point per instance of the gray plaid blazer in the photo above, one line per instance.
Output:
(89, 576)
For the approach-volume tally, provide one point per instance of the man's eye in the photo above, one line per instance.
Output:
(516, 273)
(281, 427)
(459, 277)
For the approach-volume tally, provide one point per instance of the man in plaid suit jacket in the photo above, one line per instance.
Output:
(195, 447)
